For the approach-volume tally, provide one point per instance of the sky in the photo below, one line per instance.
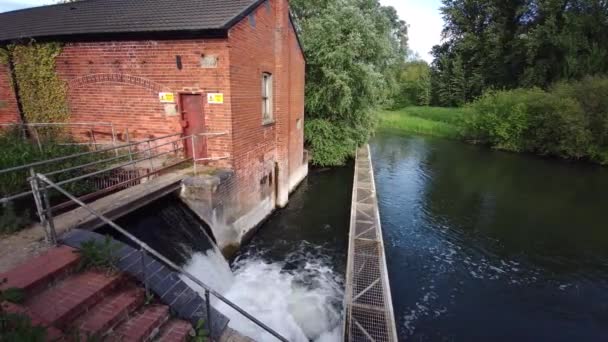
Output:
(425, 23)
(422, 16)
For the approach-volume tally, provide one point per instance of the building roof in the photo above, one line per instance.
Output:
(125, 19)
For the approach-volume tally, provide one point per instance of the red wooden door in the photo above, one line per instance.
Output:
(193, 122)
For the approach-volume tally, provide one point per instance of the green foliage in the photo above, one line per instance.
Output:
(496, 44)
(12, 295)
(500, 119)
(569, 121)
(441, 122)
(414, 82)
(16, 327)
(10, 221)
(333, 142)
(200, 333)
(43, 94)
(352, 49)
(3, 56)
(98, 255)
(16, 151)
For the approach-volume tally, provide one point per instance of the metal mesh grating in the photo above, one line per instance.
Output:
(369, 310)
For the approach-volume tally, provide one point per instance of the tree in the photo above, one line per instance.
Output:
(352, 47)
(510, 44)
(414, 84)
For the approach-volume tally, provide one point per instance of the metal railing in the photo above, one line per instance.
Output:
(101, 172)
(40, 132)
(42, 183)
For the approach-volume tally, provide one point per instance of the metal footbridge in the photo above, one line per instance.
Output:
(368, 304)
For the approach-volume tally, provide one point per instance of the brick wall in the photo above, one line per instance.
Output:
(8, 104)
(119, 82)
(297, 71)
(261, 43)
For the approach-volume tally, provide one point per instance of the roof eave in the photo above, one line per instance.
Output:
(124, 36)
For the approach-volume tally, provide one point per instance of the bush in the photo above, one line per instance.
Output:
(333, 142)
(500, 119)
(570, 120)
(556, 126)
(10, 221)
(592, 95)
(98, 255)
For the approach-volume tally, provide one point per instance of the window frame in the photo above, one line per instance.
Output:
(267, 99)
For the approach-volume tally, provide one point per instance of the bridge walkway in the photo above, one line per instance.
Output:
(368, 303)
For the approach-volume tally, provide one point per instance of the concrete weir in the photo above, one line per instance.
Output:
(368, 305)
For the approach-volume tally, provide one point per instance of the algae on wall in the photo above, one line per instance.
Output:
(42, 94)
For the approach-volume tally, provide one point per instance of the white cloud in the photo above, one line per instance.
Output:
(425, 23)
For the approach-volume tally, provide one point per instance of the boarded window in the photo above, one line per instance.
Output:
(267, 116)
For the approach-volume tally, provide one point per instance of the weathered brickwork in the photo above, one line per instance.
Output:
(119, 82)
(265, 42)
(8, 104)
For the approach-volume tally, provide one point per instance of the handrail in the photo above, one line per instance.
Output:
(42, 124)
(144, 151)
(72, 156)
(144, 246)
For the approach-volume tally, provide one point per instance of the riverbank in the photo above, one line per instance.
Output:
(435, 121)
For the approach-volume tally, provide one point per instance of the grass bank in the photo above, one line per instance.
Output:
(436, 121)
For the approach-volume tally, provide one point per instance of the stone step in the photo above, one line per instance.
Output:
(111, 311)
(175, 330)
(143, 326)
(37, 273)
(52, 333)
(71, 297)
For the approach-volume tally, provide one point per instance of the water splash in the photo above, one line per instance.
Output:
(302, 303)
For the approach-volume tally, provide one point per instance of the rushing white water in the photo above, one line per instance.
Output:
(301, 304)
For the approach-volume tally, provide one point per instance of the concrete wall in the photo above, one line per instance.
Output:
(8, 104)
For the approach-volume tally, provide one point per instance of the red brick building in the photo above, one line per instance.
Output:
(119, 55)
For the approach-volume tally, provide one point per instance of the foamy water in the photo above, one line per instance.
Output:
(301, 304)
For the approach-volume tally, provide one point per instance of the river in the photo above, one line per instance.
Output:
(490, 246)
(290, 275)
(481, 245)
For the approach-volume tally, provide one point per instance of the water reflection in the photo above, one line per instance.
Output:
(490, 245)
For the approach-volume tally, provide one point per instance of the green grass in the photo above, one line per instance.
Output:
(436, 121)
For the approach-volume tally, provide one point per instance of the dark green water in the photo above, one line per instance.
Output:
(490, 246)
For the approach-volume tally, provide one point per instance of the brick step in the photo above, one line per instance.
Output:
(36, 274)
(111, 311)
(175, 330)
(52, 333)
(144, 326)
(71, 297)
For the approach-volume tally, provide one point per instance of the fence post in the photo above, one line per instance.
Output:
(37, 137)
(47, 212)
(150, 157)
(114, 137)
(209, 321)
(93, 141)
(143, 271)
(129, 145)
(194, 154)
(38, 200)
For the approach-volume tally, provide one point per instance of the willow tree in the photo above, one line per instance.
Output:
(350, 47)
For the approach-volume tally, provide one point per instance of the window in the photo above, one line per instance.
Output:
(267, 116)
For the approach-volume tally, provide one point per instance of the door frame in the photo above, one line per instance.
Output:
(180, 109)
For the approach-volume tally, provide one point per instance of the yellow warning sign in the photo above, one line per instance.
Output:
(166, 97)
(215, 98)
